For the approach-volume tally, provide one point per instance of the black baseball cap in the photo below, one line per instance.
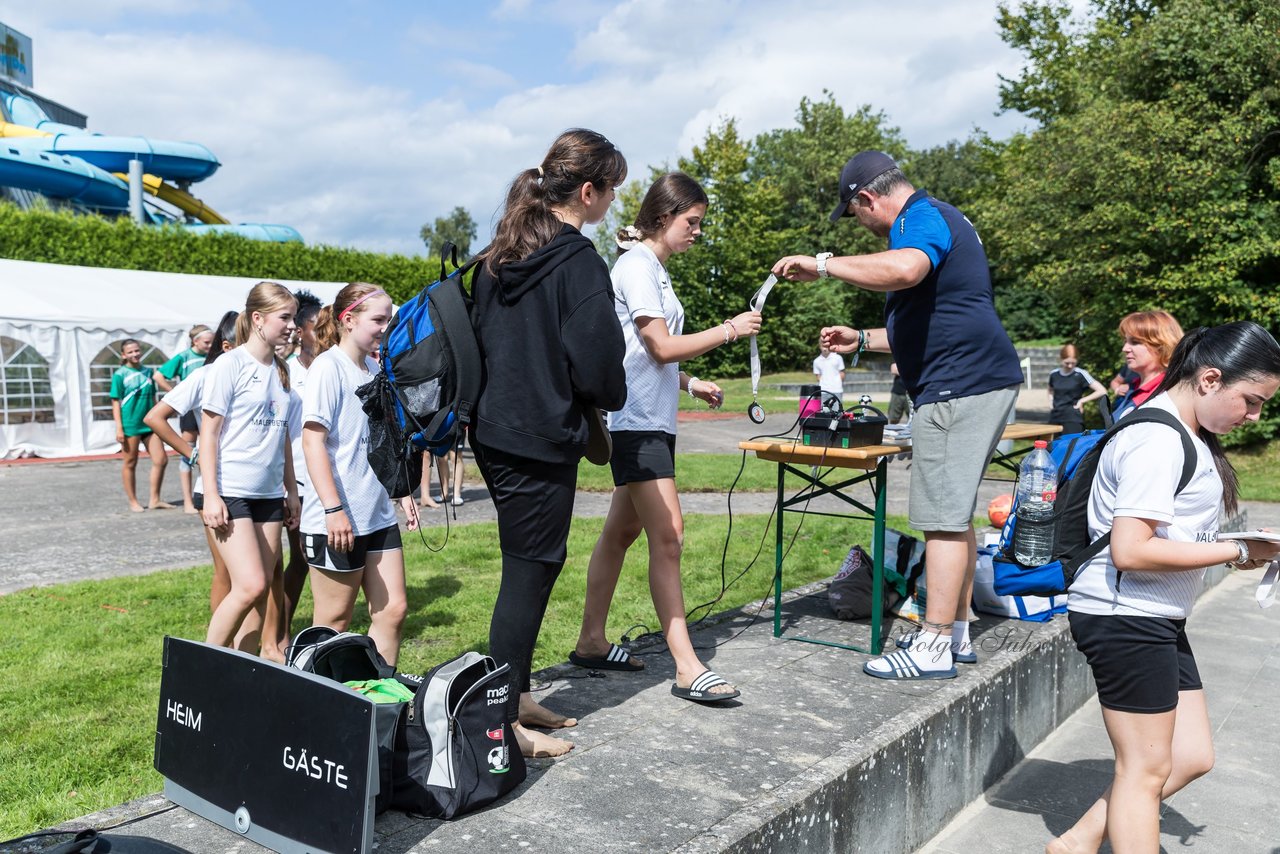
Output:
(862, 168)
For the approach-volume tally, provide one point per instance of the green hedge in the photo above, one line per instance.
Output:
(91, 241)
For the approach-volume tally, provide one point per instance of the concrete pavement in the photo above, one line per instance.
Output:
(1231, 810)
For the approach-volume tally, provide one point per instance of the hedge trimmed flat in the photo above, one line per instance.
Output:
(616, 659)
(905, 642)
(903, 668)
(699, 691)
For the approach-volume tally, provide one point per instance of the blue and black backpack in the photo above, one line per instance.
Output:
(1076, 457)
(423, 397)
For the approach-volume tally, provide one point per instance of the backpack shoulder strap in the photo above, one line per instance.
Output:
(1140, 416)
(450, 302)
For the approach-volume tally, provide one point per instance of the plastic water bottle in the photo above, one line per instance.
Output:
(1037, 490)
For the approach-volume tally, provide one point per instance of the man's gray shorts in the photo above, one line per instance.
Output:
(951, 445)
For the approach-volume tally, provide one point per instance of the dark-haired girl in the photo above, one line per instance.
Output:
(644, 433)
(1129, 605)
(551, 349)
(350, 534)
(182, 401)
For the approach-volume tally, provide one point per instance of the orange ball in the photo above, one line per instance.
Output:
(998, 509)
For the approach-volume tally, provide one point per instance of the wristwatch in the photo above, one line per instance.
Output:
(822, 264)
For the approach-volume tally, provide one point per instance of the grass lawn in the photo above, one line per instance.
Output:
(80, 666)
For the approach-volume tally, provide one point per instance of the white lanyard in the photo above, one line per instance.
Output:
(755, 411)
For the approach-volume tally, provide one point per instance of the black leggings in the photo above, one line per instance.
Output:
(534, 500)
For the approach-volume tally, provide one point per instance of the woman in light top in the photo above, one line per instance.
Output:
(1128, 606)
(182, 401)
(350, 534)
(644, 433)
(245, 466)
(167, 377)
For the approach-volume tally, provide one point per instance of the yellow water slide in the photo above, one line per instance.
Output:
(157, 187)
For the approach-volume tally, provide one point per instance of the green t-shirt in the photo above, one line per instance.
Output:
(136, 392)
(181, 365)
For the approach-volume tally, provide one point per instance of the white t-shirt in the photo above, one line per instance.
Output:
(828, 369)
(184, 398)
(330, 401)
(297, 384)
(642, 288)
(1150, 458)
(255, 427)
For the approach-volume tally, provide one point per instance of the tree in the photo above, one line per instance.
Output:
(1155, 181)
(457, 228)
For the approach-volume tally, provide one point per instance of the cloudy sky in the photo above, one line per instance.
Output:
(356, 122)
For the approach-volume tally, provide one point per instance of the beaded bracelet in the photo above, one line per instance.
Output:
(689, 387)
(728, 324)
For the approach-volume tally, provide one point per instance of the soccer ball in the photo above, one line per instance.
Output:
(998, 509)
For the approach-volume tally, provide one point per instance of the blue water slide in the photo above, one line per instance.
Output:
(178, 161)
(254, 230)
(26, 163)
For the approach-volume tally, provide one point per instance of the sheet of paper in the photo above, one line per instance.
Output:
(1266, 536)
(1267, 587)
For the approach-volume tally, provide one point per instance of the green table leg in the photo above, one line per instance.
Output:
(877, 560)
(777, 559)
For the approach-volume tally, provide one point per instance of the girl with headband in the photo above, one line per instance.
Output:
(552, 350)
(350, 534)
(245, 466)
(644, 433)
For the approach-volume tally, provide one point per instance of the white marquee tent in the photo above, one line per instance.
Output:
(59, 331)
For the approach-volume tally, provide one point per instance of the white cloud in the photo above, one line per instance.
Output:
(305, 143)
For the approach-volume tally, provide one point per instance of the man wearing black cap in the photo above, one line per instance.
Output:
(958, 366)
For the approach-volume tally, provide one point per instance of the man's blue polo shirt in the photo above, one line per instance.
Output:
(944, 332)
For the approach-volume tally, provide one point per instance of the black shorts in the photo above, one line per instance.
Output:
(640, 455)
(197, 500)
(188, 424)
(316, 549)
(259, 510)
(534, 500)
(1139, 663)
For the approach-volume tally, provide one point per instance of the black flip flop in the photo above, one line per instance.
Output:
(699, 691)
(616, 659)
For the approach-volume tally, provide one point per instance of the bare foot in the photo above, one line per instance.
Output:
(533, 714)
(160, 505)
(190, 510)
(272, 655)
(1065, 844)
(427, 502)
(537, 745)
(136, 507)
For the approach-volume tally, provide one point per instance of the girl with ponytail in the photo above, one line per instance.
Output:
(644, 434)
(245, 466)
(350, 533)
(552, 357)
(1129, 605)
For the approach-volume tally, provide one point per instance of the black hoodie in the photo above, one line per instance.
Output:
(551, 344)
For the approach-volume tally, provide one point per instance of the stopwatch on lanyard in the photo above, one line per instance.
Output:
(755, 411)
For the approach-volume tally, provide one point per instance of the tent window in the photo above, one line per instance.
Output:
(25, 392)
(104, 365)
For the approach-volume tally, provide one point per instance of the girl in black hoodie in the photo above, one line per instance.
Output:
(552, 348)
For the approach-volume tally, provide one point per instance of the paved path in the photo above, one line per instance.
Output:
(69, 521)
(1232, 810)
